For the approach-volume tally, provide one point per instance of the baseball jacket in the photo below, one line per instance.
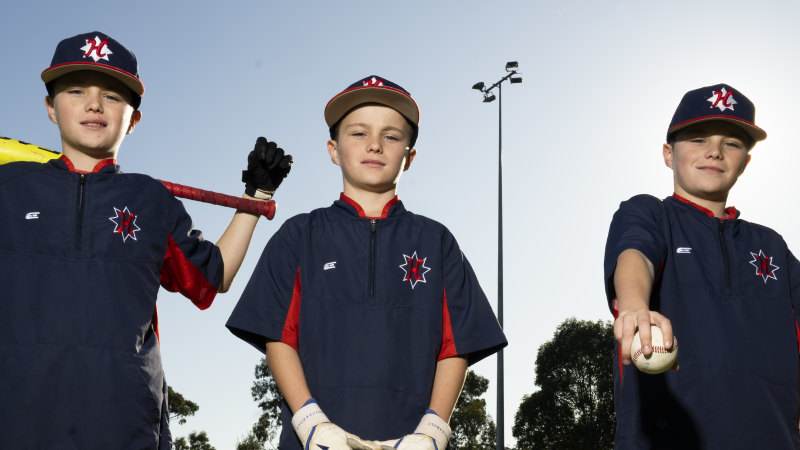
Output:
(82, 256)
(732, 292)
(371, 305)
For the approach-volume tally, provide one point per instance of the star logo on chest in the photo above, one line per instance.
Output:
(125, 223)
(764, 267)
(414, 269)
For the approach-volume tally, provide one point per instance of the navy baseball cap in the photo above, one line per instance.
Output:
(372, 89)
(96, 51)
(718, 102)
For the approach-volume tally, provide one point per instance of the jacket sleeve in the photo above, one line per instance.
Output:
(636, 225)
(794, 273)
(470, 327)
(269, 307)
(192, 265)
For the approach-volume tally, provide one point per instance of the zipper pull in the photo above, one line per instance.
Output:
(372, 225)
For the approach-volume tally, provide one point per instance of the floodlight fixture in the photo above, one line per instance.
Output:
(488, 97)
(515, 79)
(478, 86)
(511, 65)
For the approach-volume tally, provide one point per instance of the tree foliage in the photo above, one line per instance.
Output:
(266, 393)
(197, 441)
(574, 407)
(473, 429)
(179, 407)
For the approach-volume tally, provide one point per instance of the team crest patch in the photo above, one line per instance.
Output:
(764, 267)
(414, 269)
(722, 99)
(125, 223)
(96, 49)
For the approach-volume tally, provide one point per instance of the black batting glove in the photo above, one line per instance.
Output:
(267, 166)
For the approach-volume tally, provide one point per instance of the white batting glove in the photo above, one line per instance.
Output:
(316, 431)
(356, 443)
(432, 433)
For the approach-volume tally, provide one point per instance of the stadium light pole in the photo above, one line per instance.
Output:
(513, 77)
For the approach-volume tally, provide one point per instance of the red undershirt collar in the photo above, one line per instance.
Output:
(97, 167)
(730, 209)
(360, 210)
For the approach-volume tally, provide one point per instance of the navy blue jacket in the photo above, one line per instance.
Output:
(732, 291)
(81, 259)
(371, 306)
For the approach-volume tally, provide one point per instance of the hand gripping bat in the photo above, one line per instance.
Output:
(13, 150)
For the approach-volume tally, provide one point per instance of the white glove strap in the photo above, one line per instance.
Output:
(433, 425)
(306, 418)
(263, 195)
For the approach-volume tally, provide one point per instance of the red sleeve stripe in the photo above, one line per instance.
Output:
(291, 327)
(180, 275)
(797, 331)
(448, 341)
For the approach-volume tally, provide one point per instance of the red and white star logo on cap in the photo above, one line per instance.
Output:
(373, 82)
(722, 99)
(96, 49)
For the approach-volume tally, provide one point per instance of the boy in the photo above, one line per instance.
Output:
(83, 250)
(729, 290)
(364, 309)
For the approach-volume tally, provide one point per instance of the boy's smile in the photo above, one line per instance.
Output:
(706, 160)
(371, 149)
(93, 112)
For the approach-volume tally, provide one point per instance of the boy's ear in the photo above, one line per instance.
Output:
(333, 151)
(667, 152)
(135, 118)
(51, 110)
(410, 157)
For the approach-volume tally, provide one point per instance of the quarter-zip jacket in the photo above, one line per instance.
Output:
(371, 305)
(731, 290)
(82, 256)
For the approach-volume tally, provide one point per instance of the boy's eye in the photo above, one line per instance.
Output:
(391, 137)
(112, 97)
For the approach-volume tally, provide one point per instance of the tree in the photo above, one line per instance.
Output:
(574, 407)
(473, 429)
(179, 407)
(197, 441)
(266, 393)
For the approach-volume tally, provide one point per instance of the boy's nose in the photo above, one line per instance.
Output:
(93, 103)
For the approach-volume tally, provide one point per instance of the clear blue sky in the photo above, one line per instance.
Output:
(583, 132)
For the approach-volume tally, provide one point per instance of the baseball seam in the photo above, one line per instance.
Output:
(656, 349)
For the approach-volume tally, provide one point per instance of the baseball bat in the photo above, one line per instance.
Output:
(13, 150)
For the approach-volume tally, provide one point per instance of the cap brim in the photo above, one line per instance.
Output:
(756, 133)
(340, 105)
(51, 73)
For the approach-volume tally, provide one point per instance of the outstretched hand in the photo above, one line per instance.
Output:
(629, 321)
(267, 166)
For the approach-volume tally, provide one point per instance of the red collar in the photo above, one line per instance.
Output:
(730, 210)
(97, 167)
(360, 210)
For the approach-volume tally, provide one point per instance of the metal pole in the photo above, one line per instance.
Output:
(500, 384)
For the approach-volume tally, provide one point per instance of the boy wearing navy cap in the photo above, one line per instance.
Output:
(88, 247)
(728, 289)
(367, 311)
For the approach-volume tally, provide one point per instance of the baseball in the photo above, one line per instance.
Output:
(661, 359)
